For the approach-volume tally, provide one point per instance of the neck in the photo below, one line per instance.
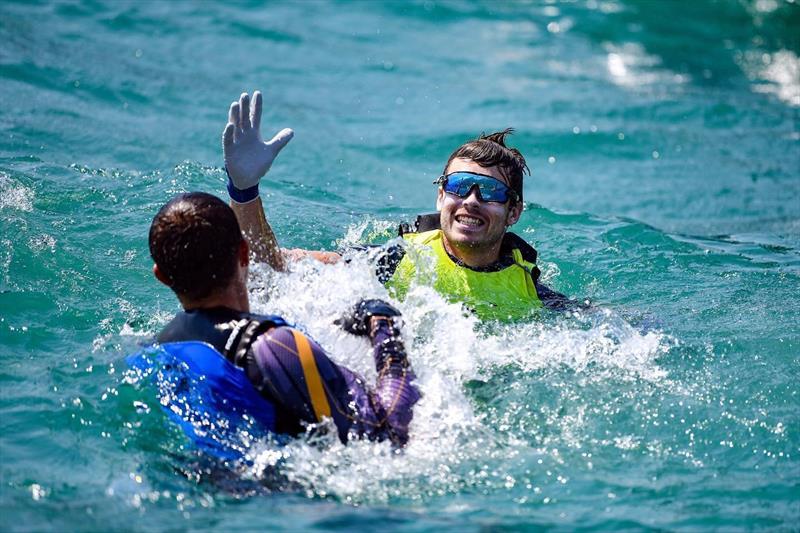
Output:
(233, 297)
(474, 256)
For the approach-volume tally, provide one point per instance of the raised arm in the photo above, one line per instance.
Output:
(247, 160)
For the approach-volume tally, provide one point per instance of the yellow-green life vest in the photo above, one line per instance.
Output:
(507, 294)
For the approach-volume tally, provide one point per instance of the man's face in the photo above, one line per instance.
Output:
(469, 224)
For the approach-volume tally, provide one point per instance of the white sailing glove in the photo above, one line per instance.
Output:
(247, 156)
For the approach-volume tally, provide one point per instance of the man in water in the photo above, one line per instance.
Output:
(464, 251)
(199, 252)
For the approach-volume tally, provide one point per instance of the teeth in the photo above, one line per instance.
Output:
(469, 221)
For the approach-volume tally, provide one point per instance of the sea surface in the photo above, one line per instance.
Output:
(664, 143)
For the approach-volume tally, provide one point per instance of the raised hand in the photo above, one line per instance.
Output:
(247, 156)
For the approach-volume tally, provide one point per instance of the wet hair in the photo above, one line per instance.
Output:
(194, 240)
(491, 151)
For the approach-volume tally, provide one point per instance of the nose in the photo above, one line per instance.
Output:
(473, 197)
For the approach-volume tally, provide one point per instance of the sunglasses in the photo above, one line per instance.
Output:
(489, 189)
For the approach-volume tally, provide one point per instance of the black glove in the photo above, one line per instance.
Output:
(357, 320)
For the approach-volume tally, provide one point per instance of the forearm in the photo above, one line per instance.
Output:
(394, 390)
(385, 411)
(259, 234)
(296, 254)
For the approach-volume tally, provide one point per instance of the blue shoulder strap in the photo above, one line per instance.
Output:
(210, 399)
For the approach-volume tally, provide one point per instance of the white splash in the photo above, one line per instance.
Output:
(451, 447)
(14, 195)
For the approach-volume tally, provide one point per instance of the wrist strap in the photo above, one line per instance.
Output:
(241, 196)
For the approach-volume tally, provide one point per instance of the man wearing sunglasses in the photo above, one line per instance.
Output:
(464, 251)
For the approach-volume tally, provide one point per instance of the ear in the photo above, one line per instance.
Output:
(160, 275)
(439, 199)
(244, 253)
(514, 213)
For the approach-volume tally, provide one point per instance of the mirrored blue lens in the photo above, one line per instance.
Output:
(489, 188)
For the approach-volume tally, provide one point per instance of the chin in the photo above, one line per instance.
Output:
(471, 241)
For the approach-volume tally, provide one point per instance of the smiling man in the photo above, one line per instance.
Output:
(464, 250)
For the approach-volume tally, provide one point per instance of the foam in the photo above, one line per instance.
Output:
(451, 446)
(13, 195)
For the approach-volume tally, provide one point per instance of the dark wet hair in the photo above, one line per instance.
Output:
(194, 240)
(491, 151)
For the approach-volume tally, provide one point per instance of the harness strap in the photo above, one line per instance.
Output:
(251, 332)
(242, 337)
(312, 378)
(245, 334)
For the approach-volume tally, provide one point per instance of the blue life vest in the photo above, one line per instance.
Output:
(206, 395)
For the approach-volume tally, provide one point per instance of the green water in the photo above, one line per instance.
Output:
(664, 139)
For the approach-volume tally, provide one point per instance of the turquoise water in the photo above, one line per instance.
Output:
(664, 140)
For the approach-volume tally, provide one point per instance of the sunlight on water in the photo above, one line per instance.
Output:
(782, 70)
(630, 66)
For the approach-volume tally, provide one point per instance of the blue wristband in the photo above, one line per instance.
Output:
(241, 195)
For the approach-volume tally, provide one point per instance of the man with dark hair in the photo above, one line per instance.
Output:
(199, 252)
(464, 250)
(196, 244)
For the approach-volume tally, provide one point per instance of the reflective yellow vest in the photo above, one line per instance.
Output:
(505, 295)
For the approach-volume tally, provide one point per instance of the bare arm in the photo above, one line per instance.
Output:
(263, 242)
(259, 234)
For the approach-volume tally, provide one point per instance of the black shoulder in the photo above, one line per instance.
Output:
(512, 240)
(175, 330)
(425, 222)
(215, 326)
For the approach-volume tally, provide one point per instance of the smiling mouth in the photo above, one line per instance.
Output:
(469, 221)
